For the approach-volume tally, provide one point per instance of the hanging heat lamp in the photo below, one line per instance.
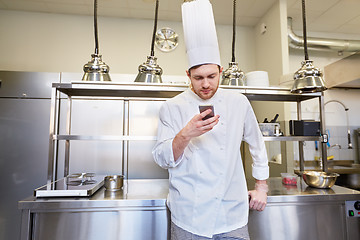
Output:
(96, 69)
(308, 78)
(233, 75)
(150, 71)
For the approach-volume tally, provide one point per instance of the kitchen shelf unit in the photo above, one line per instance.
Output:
(130, 91)
(292, 138)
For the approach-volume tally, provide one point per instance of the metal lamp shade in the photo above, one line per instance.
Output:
(233, 76)
(308, 79)
(96, 70)
(149, 72)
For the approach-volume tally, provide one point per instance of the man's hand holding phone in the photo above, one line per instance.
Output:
(201, 123)
(203, 108)
(197, 126)
(208, 119)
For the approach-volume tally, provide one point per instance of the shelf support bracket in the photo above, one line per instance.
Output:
(324, 138)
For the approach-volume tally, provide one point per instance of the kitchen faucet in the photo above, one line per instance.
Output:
(335, 145)
(347, 121)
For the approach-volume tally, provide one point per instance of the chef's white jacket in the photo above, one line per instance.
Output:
(207, 188)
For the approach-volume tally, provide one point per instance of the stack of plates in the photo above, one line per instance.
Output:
(257, 79)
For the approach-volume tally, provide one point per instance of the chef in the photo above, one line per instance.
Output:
(208, 196)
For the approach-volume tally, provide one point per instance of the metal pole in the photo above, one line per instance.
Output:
(323, 133)
(125, 149)
(67, 142)
(53, 127)
(25, 225)
(301, 143)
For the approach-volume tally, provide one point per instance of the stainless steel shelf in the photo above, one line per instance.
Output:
(145, 91)
(104, 138)
(292, 138)
(153, 138)
(120, 89)
(162, 90)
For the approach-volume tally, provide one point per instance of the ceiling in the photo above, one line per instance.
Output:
(330, 16)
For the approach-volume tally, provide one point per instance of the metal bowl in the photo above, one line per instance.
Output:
(319, 179)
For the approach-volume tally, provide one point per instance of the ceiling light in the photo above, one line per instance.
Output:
(308, 78)
(96, 69)
(233, 75)
(150, 71)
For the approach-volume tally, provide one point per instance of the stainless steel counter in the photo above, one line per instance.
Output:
(279, 192)
(302, 212)
(136, 193)
(137, 212)
(140, 211)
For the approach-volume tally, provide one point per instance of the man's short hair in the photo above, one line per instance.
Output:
(197, 66)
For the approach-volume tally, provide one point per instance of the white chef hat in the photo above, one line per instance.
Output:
(200, 33)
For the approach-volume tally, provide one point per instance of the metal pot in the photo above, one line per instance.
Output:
(113, 182)
(114, 194)
(319, 179)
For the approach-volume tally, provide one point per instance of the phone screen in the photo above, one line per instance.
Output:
(204, 108)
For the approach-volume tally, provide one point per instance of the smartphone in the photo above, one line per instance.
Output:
(204, 108)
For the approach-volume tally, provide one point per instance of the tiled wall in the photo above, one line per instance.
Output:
(338, 135)
(274, 151)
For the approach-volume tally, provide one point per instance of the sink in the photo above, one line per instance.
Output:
(349, 180)
(355, 165)
(349, 173)
(344, 163)
(334, 166)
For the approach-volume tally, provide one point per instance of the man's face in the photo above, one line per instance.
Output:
(205, 80)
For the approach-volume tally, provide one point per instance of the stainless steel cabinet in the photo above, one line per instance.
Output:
(120, 224)
(139, 212)
(24, 131)
(134, 213)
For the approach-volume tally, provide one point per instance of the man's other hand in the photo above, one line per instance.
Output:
(258, 200)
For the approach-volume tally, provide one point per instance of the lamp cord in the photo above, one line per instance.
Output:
(95, 28)
(155, 27)
(234, 28)
(304, 31)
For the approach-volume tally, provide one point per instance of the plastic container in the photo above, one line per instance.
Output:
(270, 129)
(289, 178)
